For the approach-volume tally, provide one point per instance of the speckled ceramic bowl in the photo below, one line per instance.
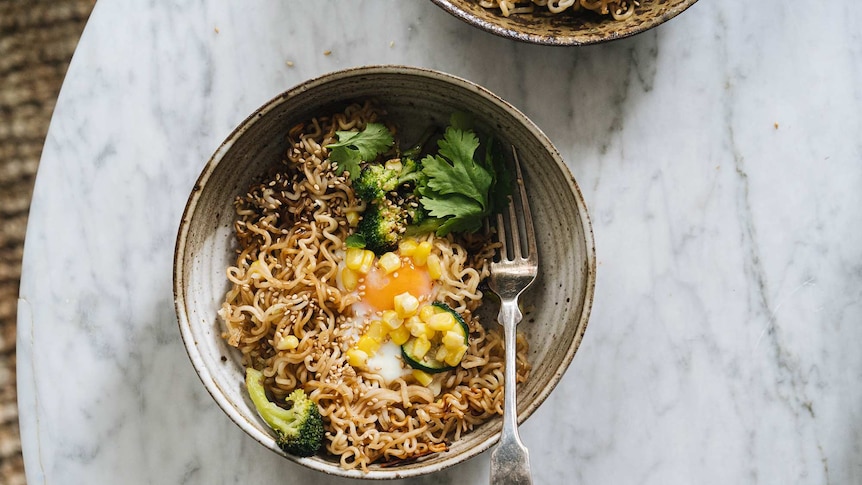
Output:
(558, 304)
(567, 28)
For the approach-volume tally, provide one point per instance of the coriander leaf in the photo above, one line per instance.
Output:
(370, 142)
(463, 175)
(354, 147)
(345, 160)
(458, 146)
(355, 240)
(444, 179)
(461, 224)
(461, 213)
(448, 205)
(344, 138)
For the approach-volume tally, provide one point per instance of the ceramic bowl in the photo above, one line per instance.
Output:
(558, 304)
(567, 28)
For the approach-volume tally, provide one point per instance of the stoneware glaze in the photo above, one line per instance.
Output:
(556, 309)
(580, 27)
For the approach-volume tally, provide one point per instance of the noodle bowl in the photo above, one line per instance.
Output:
(291, 228)
(565, 22)
(254, 165)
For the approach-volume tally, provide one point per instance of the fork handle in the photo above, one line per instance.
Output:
(510, 460)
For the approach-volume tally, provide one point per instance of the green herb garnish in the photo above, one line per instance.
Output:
(355, 240)
(355, 147)
(460, 190)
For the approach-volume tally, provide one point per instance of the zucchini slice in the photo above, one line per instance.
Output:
(428, 362)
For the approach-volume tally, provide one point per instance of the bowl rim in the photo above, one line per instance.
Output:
(452, 8)
(179, 277)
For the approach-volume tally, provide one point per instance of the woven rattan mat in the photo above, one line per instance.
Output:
(37, 39)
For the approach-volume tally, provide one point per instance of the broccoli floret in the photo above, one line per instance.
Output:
(411, 172)
(425, 225)
(299, 430)
(393, 205)
(376, 180)
(382, 225)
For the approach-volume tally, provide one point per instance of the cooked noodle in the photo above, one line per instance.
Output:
(618, 9)
(290, 229)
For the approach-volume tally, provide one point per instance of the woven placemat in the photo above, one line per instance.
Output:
(37, 39)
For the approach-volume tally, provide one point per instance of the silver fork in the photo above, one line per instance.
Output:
(516, 270)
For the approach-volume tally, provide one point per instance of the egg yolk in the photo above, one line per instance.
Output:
(381, 289)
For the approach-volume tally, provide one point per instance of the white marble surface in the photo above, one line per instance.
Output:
(719, 155)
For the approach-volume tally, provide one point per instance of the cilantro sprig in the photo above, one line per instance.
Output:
(355, 147)
(461, 191)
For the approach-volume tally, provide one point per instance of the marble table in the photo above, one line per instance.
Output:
(720, 158)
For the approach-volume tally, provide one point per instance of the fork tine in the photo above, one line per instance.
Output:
(525, 207)
(515, 231)
(501, 237)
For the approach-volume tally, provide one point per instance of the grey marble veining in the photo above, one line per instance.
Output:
(720, 158)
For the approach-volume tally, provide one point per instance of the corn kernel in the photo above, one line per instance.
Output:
(420, 256)
(452, 339)
(426, 312)
(454, 356)
(421, 346)
(418, 328)
(394, 164)
(400, 335)
(350, 279)
(405, 304)
(288, 342)
(377, 330)
(422, 377)
(389, 263)
(442, 322)
(435, 267)
(441, 353)
(352, 218)
(367, 261)
(368, 345)
(357, 358)
(407, 246)
(391, 319)
(353, 258)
